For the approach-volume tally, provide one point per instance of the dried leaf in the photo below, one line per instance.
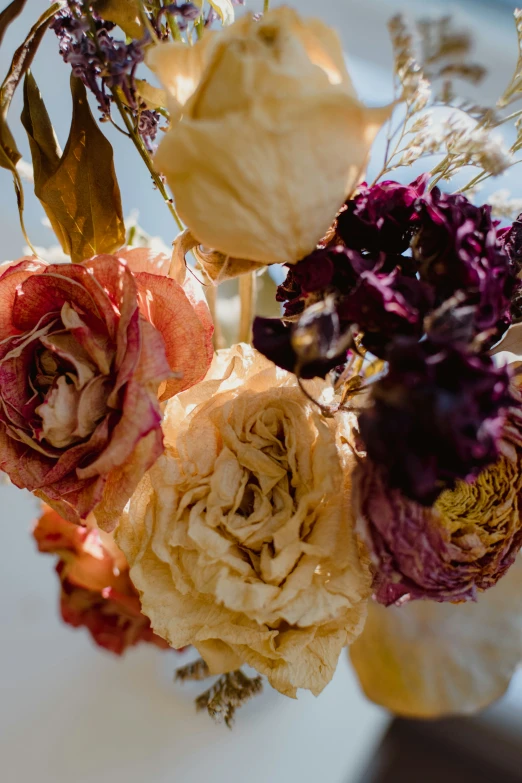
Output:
(124, 13)
(9, 154)
(81, 195)
(9, 14)
(24, 55)
(154, 97)
(45, 150)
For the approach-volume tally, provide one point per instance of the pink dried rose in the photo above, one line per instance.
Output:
(87, 353)
(97, 592)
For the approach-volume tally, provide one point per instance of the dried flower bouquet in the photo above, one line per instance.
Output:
(347, 474)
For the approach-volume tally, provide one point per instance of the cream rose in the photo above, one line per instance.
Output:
(268, 136)
(240, 538)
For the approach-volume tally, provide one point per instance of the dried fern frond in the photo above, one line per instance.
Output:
(227, 694)
(197, 671)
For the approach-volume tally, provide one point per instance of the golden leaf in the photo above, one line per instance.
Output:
(124, 13)
(154, 97)
(78, 190)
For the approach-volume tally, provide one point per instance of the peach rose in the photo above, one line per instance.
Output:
(85, 349)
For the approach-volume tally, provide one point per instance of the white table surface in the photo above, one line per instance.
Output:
(71, 713)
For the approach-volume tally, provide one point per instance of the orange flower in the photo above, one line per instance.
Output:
(97, 592)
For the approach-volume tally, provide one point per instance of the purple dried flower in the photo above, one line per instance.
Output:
(311, 347)
(457, 249)
(465, 543)
(103, 64)
(379, 295)
(435, 417)
(381, 218)
(382, 305)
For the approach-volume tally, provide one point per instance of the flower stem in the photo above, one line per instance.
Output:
(266, 6)
(146, 159)
(211, 296)
(247, 296)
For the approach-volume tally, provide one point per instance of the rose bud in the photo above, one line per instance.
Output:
(268, 137)
(96, 590)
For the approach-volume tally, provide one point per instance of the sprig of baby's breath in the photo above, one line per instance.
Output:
(431, 50)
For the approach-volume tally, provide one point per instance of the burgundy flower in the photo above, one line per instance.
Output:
(85, 349)
(378, 295)
(381, 218)
(96, 590)
(327, 270)
(464, 544)
(457, 249)
(382, 305)
(511, 240)
(309, 348)
(435, 417)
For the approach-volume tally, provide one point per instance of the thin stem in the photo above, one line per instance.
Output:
(174, 27)
(19, 189)
(211, 295)
(146, 159)
(247, 295)
(115, 125)
(199, 25)
(266, 6)
(132, 130)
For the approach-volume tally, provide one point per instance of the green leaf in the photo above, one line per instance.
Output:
(78, 190)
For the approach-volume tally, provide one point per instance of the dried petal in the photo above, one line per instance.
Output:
(240, 537)
(234, 160)
(429, 660)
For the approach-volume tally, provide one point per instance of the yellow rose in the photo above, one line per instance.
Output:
(240, 538)
(271, 137)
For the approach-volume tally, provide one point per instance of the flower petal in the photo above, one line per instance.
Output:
(122, 481)
(427, 660)
(140, 415)
(11, 275)
(188, 343)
